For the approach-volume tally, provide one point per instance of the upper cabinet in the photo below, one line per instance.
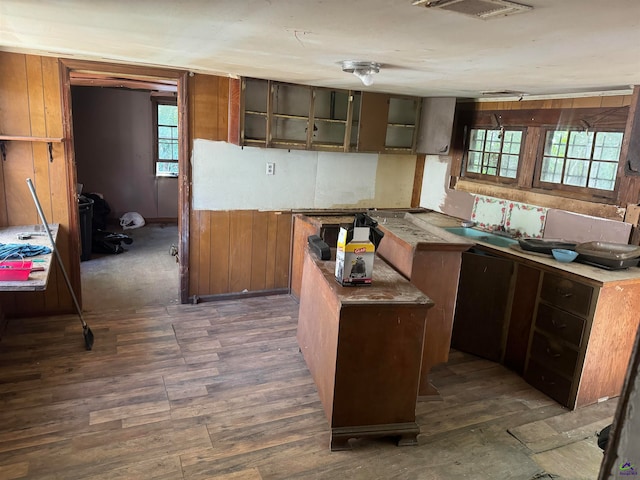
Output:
(283, 115)
(436, 125)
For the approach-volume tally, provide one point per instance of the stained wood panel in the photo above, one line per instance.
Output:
(30, 105)
(209, 99)
(238, 250)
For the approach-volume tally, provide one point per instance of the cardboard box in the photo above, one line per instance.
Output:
(354, 257)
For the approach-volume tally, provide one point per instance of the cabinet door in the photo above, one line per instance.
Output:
(372, 128)
(436, 126)
(522, 307)
(483, 292)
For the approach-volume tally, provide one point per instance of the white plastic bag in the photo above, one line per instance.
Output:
(131, 220)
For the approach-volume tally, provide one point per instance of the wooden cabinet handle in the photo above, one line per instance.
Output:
(557, 324)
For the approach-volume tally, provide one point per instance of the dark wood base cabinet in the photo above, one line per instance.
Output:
(570, 336)
(363, 347)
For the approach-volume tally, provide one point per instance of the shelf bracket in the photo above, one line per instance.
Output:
(50, 151)
(3, 149)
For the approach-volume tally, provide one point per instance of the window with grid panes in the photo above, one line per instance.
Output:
(579, 159)
(166, 140)
(494, 154)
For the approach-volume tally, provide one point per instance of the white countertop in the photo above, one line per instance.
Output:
(37, 280)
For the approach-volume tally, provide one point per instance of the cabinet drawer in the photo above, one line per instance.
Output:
(552, 354)
(560, 324)
(566, 294)
(548, 381)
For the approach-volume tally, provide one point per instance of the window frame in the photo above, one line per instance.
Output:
(157, 101)
(485, 177)
(595, 113)
(572, 189)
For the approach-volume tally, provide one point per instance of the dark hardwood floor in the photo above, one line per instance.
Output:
(219, 390)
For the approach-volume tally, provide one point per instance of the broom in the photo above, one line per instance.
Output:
(86, 331)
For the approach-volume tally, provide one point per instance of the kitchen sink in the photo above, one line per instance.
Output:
(480, 236)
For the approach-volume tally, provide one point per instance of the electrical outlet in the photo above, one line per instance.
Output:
(271, 168)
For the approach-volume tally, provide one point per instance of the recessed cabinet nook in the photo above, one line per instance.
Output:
(283, 115)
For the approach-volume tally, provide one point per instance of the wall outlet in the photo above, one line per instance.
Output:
(271, 168)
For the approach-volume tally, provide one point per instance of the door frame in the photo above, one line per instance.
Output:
(108, 72)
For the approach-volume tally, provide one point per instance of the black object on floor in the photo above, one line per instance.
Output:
(109, 242)
(603, 437)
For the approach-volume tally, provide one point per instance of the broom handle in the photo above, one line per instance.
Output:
(55, 250)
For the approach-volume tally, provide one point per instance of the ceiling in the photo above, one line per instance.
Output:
(559, 48)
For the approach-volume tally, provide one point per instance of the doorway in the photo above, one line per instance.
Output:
(110, 122)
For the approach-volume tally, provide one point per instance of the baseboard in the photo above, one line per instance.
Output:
(235, 296)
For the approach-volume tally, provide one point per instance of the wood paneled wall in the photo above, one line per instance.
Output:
(30, 105)
(239, 250)
(231, 251)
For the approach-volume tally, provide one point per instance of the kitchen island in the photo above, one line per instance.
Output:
(363, 346)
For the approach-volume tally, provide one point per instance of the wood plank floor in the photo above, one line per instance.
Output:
(220, 391)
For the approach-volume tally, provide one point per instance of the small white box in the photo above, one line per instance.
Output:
(354, 257)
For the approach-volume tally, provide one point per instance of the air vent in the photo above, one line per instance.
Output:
(484, 9)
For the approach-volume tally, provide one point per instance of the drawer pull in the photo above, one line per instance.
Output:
(551, 353)
(557, 324)
(564, 293)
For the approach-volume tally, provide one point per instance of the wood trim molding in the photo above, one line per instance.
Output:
(72, 180)
(141, 73)
(184, 189)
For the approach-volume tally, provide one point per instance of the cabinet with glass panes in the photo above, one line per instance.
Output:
(283, 115)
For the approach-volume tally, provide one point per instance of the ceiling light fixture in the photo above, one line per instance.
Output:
(363, 70)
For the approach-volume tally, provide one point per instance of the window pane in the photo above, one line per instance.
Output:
(608, 145)
(477, 140)
(167, 169)
(168, 115)
(164, 132)
(493, 141)
(580, 145)
(603, 175)
(490, 160)
(166, 150)
(509, 166)
(576, 172)
(474, 161)
(556, 143)
(551, 170)
(512, 141)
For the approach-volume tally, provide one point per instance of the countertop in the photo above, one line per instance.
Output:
(434, 224)
(388, 287)
(425, 229)
(37, 281)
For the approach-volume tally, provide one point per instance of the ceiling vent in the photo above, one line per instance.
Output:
(484, 9)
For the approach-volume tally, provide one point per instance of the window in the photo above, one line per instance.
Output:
(167, 140)
(494, 154)
(575, 158)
